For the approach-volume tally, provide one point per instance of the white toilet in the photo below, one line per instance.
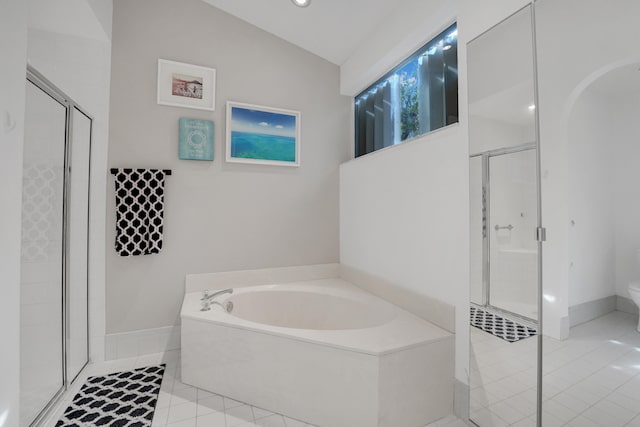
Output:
(634, 291)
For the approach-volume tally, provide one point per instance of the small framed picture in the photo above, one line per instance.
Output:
(186, 85)
(196, 139)
(262, 135)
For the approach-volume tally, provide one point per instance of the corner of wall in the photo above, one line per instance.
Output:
(435, 311)
(13, 45)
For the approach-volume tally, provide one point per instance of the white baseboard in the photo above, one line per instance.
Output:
(461, 400)
(137, 343)
(590, 310)
(626, 304)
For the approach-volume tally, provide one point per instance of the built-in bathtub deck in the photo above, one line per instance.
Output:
(395, 373)
(401, 332)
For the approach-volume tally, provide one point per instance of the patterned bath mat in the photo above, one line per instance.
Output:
(500, 327)
(121, 399)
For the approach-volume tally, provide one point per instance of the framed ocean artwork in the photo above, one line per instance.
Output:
(262, 135)
(196, 139)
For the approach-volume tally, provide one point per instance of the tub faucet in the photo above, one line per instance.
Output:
(208, 299)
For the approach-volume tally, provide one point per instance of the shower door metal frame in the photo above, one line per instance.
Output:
(42, 83)
(540, 231)
(486, 214)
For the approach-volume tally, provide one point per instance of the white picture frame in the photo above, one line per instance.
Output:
(262, 135)
(186, 85)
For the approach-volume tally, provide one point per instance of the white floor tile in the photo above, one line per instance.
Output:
(634, 422)
(484, 417)
(630, 403)
(204, 394)
(211, 404)
(571, 402)
(559, 411)
(239, 415)
(215, 419)
(507, 412)
(164, 399)
(230, 403)
(181, 412)
(274, 420)
(191, 422)
(446, 421)
(527, 422)
(290, 422)
(260, 413)
(609, 414)
(582, 421)
(160, 416)
(184, 395)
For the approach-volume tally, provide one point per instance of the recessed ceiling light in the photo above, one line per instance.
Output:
(301, 3)
(532, 107)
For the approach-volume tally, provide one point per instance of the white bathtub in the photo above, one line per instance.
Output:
(322, 351)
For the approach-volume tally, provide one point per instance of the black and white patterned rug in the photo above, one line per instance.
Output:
(121, 399)
(500, 327)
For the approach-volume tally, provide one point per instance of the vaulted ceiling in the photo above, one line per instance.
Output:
(331, 29)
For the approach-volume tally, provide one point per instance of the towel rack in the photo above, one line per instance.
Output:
(503, 227)
(166, 171)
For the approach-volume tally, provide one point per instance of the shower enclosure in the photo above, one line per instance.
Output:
(503, 217)
(54, 258)
(506, 232)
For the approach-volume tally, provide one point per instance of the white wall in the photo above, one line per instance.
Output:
(513, 253)
(626, 187)
(403, 32)
(568, 61)
(404, 218)
(13, 53)
(404, 211)
(218, 216)
(590, 200)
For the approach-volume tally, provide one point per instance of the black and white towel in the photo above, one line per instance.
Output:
(139, 211)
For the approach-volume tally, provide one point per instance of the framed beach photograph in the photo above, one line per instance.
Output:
(186, 85)
(262, 135)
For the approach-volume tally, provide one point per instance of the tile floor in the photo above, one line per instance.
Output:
(180, 405)
(590, 380)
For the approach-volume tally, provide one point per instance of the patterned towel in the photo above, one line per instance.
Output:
(139, 211)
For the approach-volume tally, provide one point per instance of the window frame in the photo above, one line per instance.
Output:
(363, 146)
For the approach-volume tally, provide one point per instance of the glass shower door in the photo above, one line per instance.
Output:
(477, 284)
(77, 263)
(41, 306)
(512, 222)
